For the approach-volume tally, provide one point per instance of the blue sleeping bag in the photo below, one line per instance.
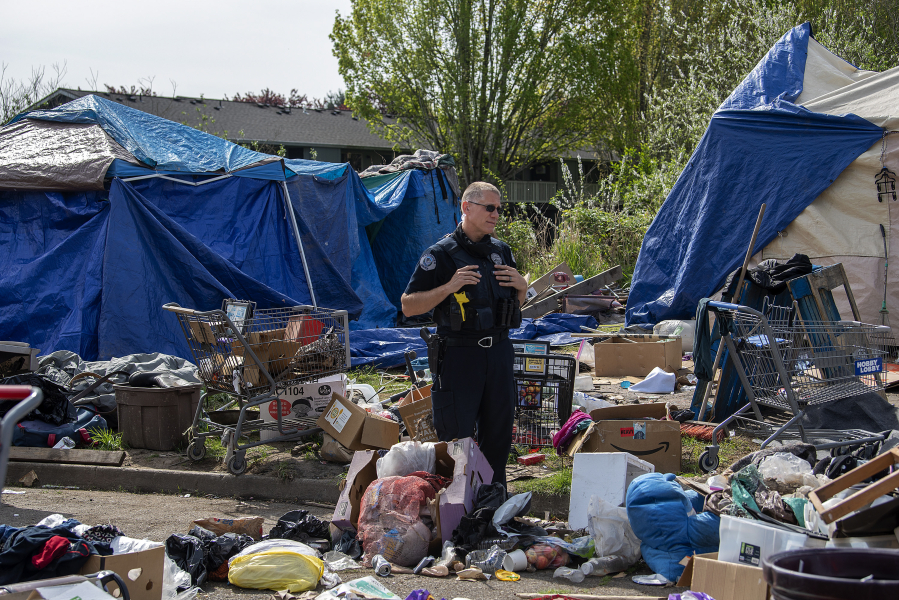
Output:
(669, 522)
(44, 435)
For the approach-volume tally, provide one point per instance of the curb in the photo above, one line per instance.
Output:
(129, 479)
(166, 481)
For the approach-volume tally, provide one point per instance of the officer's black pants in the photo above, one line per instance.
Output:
(477, 387)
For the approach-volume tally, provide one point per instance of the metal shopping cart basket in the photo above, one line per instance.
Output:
(27, 398)
(544, 385)
(254, 355)
(788, 364)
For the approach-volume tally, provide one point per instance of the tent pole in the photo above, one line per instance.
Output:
(296, 233)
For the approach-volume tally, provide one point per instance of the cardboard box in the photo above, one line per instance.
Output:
(603, 474)
(147, 565)
(306, 400)
(418, 416)
(630, 428)
(622, 356)
(461, 460)
(722, 580)
(355, 428)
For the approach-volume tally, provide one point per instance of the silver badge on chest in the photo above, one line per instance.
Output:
(496, 258)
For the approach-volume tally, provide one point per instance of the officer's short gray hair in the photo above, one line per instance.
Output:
(475, 191)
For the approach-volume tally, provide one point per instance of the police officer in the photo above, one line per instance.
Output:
(470, 280)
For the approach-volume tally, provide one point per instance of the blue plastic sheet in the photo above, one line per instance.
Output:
(154, 141)
(385, 347)
(759, 148)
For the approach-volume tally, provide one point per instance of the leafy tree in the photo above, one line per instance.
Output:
(501, 84)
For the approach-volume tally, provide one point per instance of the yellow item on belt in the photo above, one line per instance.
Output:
(461, 298)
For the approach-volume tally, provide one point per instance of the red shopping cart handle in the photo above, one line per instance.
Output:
(14, 392)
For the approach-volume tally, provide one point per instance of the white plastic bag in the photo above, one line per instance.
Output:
(586, 355)
(789, 469)
(682, 329)
(407, 457)
(611, 531)
(658, 381)
(277, 544)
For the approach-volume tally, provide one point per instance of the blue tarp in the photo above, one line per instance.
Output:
(760, 147)
(71, 276)
(385, 347)
(90, 272)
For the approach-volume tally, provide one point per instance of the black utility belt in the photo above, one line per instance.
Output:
(484, 342)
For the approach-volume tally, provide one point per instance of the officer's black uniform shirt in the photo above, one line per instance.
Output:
(436, 267)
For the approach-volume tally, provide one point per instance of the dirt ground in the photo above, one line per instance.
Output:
(156, 516)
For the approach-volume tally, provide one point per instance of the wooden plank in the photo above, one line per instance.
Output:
(862, 497)
(587, 286)
(101, 458)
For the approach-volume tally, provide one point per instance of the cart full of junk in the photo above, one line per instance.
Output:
(253, 355)
(786, 364)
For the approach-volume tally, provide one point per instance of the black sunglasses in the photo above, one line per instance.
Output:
(488, 207)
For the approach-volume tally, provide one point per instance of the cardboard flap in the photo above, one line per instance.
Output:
(580, 439)
(630, 411)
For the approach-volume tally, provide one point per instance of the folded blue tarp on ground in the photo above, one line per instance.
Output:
(385, 347)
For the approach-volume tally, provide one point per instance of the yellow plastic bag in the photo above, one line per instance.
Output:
(276, 570)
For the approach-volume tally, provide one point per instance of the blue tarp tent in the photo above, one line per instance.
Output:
(783, 137)
(107, 212)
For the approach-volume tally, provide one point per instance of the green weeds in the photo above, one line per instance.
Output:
(106, 439)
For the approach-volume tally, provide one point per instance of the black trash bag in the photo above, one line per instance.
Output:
(218, 549)
(187, 552)
(300, 526)
(55, 409)
(492, 496)
(349, 545)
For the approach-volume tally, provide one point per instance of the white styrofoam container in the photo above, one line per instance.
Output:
(603, 474)
(748, 542)
(305, 400)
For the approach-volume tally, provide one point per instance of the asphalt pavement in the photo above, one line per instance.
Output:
(156, 516)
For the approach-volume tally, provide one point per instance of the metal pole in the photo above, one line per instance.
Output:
(735, 300)
(296, 233)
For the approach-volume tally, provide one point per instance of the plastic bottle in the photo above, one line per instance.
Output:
(572, 575)
(600, 567)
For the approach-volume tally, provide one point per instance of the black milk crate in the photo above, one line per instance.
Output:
(544, 386)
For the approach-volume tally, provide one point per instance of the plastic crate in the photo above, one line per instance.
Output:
(544, 385)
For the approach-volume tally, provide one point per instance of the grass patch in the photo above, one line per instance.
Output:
(381, 378)
(552, 591)
(557, 484)
(106, 439)
(730, 450)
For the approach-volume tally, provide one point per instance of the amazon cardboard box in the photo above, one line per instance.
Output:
(722, 580)
(623, 356)
(141, 571)
(355, 427)
(633, 428)
(460, 459)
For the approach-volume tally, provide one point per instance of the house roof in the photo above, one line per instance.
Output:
(249, 121)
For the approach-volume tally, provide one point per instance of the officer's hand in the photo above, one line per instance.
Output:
(509, 277)
(465, 276)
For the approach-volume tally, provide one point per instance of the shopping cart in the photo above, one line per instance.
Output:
(788, 364)
(28, 398)
(544, 385)
(254, 355)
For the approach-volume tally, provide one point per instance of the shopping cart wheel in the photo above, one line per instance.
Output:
(196, 450)
(237, 464)
(708, 460)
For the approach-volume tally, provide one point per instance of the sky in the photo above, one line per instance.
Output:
(212, 48)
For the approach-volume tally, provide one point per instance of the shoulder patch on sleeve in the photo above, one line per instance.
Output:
(427, 261)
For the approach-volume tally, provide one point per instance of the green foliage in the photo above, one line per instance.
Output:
(501, 85)
(106, 439)
(730, 450)
(557, 484)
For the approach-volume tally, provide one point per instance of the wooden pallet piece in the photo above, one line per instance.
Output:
(587, 286)
(862, 497)
(100, 458)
